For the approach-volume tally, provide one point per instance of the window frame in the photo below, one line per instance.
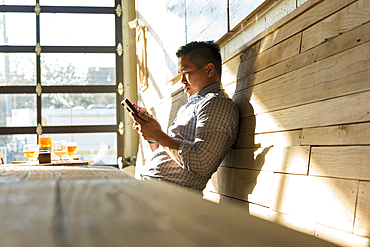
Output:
(69, 89)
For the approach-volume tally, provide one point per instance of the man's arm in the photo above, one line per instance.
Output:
(151, 130)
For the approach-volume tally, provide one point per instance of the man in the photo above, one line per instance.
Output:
(204, 129)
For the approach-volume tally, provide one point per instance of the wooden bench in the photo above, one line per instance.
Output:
(102, 206)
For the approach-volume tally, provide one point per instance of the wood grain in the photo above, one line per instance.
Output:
(311, 83)
(352, 162)
(278, 53)
(347, 40)
(281, 139)
(116, 212)
(16, 173)
(327, 201)
(143, 216)
(343, 110)
(346, 19)
(276, 159)
(12, 174)
(27, 213)
(249, 185)
(303, 21)
(351, 134)
(251, 52)
(362, 225)
(339, 237)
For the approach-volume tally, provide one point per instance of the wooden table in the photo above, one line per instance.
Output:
(101, 206)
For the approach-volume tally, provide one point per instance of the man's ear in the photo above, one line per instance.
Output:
(210, 69)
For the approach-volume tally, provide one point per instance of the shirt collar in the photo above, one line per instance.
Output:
(213, 88)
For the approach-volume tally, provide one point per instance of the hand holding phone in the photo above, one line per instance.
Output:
(130, 108)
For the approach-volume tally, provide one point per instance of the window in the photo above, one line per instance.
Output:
(60, 74)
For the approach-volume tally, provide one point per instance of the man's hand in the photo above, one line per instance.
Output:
(151, 130)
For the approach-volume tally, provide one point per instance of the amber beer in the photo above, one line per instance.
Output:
(45, 141)
(45, 149)
(31, 151)
(30, 154)
(71, 149)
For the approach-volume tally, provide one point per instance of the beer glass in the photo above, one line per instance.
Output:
(60, 149)
(71, 149)
(31, 151)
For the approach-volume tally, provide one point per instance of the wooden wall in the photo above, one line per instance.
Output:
(302, 157)
(299, 72)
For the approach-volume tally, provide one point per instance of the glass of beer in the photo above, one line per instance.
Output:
(71, 149)
(45, 141)
(60, 149)
(31, 151)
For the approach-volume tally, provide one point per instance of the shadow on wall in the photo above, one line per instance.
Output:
(237, 174)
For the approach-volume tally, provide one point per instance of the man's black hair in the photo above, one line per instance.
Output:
(202, 53)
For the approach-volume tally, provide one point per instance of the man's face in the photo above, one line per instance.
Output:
(193, 79)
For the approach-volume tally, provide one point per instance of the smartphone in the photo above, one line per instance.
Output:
(130, 108)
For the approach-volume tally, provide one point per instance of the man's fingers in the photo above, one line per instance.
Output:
(140, 118)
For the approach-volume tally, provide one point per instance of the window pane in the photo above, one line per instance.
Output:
(20, 28)
(17, 110)
(100, 3)
(17, 69)
(98, 147)
(77, 69)
(78, 109)
(77, 29)
(18, 2)
(12, 146)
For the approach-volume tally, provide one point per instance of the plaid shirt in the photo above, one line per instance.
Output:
(207, 127)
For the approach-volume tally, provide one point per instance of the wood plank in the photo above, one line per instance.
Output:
(133, 213)
(73, 172)
(339, 237)
(362, 223)
(44, 173)
(230, 89)
(303, 21)
(231, 65)
(319, 81)
(273, 28)
(223, 234)
(278, 53)
(251, 52)
(275, 159)
(350, 39)
(346, 19)
(12, 174)
(229, 76)
(87, 215)
(296, 222)
(248, 185)
(151, 213)
(351, 134)
(328, 201)
(351, 162)
(343, 110)
(260, 211)
(281, 139)
(28, 214)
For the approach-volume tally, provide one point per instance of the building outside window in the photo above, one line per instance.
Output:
(61, 73)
